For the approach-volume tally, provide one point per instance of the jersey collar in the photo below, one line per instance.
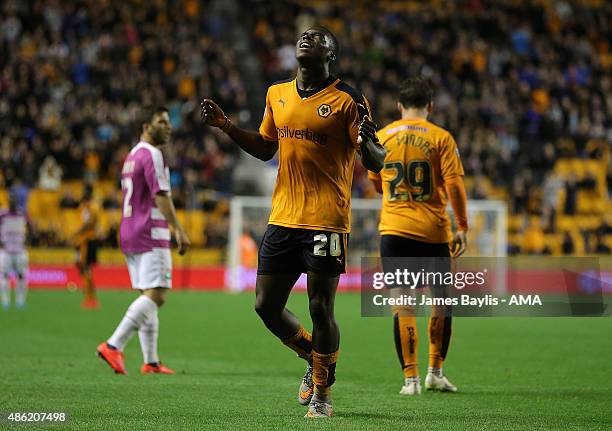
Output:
(304, 94)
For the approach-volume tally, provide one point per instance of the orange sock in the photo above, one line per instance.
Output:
(439, 339)
(406, 343)
(301, 343)
(324, 372)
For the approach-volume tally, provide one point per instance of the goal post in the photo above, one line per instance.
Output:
(249, 217)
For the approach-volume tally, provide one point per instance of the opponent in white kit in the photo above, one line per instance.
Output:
(145, 240)
(13, 256)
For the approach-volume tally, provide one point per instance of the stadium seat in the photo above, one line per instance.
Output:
(4, 198)
(71, 221)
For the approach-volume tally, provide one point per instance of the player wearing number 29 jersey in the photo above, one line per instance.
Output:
(421, 169)
(421, 158)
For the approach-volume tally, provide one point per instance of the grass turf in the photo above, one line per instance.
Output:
(546, 373)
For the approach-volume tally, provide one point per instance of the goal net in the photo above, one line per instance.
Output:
(249, 219)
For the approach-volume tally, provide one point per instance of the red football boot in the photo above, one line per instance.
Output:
(113, 357)
(90, 304)
(156, 369)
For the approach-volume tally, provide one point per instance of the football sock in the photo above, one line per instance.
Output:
(148, 334)
(406, 343)
(89, 290)
(4, 292)
(323, 373)
(439, 339)
(435, 371)
(301, 343)
(135, 316)
(414, 379)
(21, 291)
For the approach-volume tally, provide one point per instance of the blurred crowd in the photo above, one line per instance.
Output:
(74, 74)
(520, 84)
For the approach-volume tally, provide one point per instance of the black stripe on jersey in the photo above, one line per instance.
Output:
(362, 107)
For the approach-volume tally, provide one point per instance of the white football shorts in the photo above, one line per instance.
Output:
(14, 262)
(150, 269)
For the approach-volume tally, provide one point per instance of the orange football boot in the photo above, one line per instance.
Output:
(113, 357)
(156, 369)
(90, 304)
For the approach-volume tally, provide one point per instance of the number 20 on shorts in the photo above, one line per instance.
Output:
(321, 242)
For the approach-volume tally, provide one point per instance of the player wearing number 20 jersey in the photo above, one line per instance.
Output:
(318, 124)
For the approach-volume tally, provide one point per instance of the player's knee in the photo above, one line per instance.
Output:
(160, 301)
(262, 309)
(320, 311)
(157, 296)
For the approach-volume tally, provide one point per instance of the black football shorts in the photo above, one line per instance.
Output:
(287, 250)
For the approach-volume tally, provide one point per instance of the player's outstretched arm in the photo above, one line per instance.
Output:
(163, 201)
(456, 193)
(372, 153)
(251, 142)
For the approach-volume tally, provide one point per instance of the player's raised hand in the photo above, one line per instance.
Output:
(211, 114)
(459, 243)
(367, 129)
(182, 241)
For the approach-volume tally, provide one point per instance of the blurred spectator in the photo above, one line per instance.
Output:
(20, 192)
(571, 190)
(50, 175)
(600, 246)
(248, 250)
(567, 244)
(68, 200)
(110, 201)
(533, 238)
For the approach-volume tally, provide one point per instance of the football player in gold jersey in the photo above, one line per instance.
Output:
(87, 248)
(422, 168)
(318, 124)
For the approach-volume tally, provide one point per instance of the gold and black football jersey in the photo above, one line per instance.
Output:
(317, 136)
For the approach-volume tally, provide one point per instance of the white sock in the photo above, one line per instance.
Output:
(136, 315)
(5, 295)
(21, 291)
(148, 334)
(435, 371)
(409, 380)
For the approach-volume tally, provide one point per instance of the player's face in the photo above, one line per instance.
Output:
(160, 128)
(313, 44)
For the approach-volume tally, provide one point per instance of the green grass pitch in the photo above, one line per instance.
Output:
(544, 373)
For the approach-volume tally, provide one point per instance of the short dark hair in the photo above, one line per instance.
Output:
(148, 112)
(145, 116)
(416, 92)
